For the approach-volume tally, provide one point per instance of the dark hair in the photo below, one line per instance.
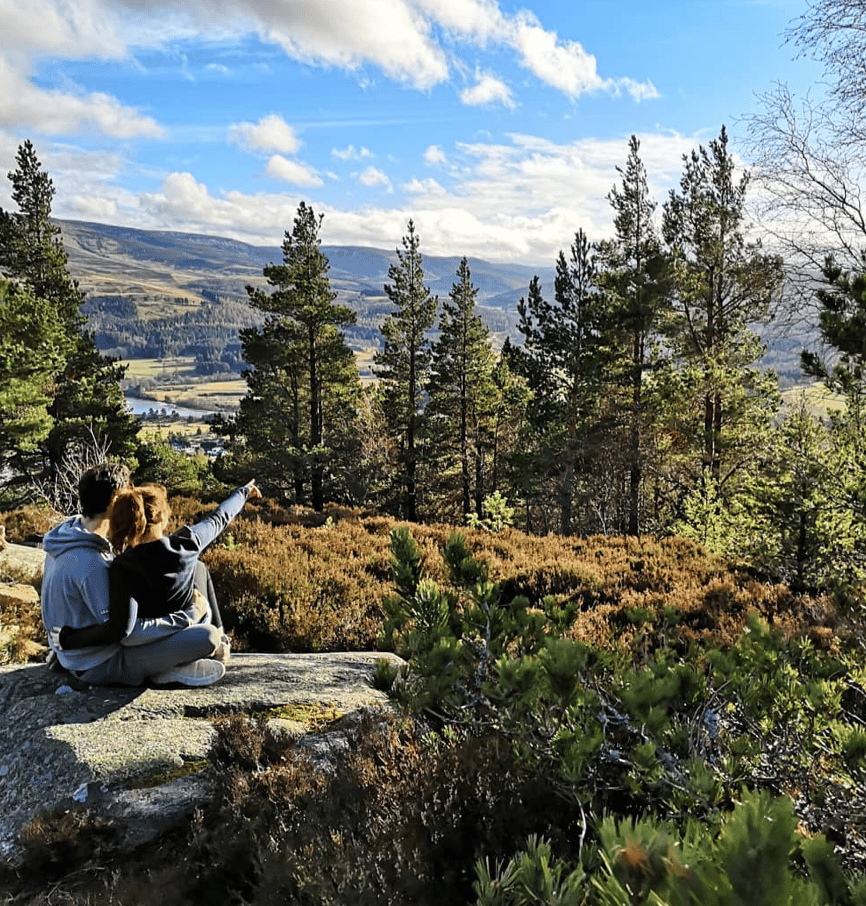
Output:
(133, 510)
(98, 485)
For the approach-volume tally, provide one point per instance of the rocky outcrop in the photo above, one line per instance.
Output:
(24, 561)
(119, 750)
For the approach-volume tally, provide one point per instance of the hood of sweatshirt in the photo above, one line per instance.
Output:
(71, 535)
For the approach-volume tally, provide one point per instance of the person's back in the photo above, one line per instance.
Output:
(158, 570)
(75, 578)
(75, 588)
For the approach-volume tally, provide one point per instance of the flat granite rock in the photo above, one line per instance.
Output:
(102, 747)
(22, 559)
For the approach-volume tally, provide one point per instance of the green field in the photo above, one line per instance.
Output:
(817, 398)
(175, 384)
(138, 369)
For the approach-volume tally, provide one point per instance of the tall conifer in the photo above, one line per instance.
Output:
(462, 394)
(404, 362)
(634, 273)
(87, 401)
(563, 360)
(301, 368)
(722, 285)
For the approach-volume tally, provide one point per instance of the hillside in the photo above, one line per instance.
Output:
(614, 696)
(162, 271)
(156, 294)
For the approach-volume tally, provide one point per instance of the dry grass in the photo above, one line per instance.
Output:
(364, 360)
(288, 580)
(293, 584)
(818, 400)
(159, 368)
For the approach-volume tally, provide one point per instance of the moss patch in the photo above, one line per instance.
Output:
(313, 716)
(167, 775)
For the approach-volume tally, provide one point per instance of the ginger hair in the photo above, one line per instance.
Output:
(134, 511)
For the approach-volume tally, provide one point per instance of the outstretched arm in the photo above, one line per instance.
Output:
(209, 528)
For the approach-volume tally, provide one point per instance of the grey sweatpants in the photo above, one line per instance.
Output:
(132, 666)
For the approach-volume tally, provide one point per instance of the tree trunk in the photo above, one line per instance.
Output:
(316, 466)
(464, 455)
(297, 470)
(635, 469)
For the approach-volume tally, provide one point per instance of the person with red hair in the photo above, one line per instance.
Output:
(153, 573)
(144, 619)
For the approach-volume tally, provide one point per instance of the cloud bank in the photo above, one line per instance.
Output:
(401, 38)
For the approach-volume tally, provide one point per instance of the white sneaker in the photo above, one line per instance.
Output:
(202, 672)
(224, 652)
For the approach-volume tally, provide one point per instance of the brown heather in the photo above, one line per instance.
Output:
(297, 582)
(28, 522)
(292, 580)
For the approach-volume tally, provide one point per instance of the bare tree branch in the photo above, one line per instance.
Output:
(60, 490)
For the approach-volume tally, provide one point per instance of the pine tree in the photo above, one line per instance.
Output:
(87, 401)
(462, 394)
(634, 274)
(404, 362)
(33, 342)
(810, 535)
(722, 284)
(842, 323)
(303, 378)
(563, 362)
(31, 249)
(266, 436)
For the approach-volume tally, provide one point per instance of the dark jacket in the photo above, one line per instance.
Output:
(156, 578)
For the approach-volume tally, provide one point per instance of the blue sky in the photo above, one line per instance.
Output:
(496, 126)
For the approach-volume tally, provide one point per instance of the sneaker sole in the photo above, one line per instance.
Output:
(167, 678)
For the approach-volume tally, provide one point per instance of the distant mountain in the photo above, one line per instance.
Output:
(121, 261)
(147, 290)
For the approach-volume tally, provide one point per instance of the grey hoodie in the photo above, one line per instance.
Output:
(75, 589)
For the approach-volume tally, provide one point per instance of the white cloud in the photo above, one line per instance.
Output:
(488, 90)
(519, 201)
(372, 177)
(62, 29)
(270, 133)
(543, 191)
(67, 31)
(350, 152)
(564, 65)
(89, 207)
(434, 155)
(350, 33)
(424, 187)
(26, 107)
(344, 33)
(640, 91)
(478, 20)
(292, 171)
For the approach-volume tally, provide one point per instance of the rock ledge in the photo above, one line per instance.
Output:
(115, 749)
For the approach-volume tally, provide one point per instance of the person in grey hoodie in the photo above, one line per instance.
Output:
(75, 602)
